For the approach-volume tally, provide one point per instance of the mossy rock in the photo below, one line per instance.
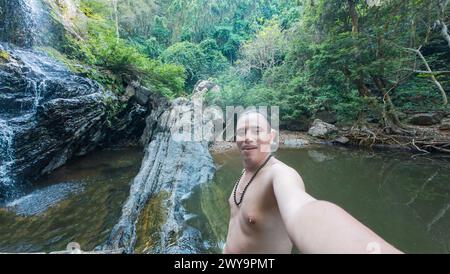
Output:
(4, 56)
(150, 223)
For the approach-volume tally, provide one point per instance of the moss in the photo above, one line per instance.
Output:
(150, 223)
(4, 56)
(72, 65)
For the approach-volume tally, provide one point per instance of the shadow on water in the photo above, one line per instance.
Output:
(85, 217)
(405, 200)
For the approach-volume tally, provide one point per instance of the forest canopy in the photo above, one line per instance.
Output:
(361, 60)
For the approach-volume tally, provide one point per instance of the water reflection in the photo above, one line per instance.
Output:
(404, 199)
(86, 218)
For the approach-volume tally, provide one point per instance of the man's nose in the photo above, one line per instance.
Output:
(249, 137)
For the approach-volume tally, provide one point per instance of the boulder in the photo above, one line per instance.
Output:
(296, 143)
(445, 124)
(341, 140)
(320, 129)
(425, 119)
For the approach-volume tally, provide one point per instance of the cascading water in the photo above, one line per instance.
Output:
(6, 155)
(45, 110)
(17, 26)
(17, 22)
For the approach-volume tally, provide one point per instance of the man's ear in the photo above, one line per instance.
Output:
(274, 140)
(273, 135)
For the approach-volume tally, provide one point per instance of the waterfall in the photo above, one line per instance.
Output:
(6, 155)
(48, 114)
(22, 22)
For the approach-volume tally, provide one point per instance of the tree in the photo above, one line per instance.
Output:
(200, 61)
(265, 51)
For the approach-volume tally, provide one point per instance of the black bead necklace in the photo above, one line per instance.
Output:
(245, 188)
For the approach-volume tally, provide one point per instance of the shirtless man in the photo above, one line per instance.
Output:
(275, 212)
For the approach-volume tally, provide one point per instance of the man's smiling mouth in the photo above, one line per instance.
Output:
(248, 148)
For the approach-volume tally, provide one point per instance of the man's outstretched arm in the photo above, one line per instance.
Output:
(318, 226)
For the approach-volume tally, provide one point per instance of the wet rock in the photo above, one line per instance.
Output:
(174, 164)
(341, 140)
(296, 143)
(50, 115)
(28, 23)
(425, 119)
(320, 129)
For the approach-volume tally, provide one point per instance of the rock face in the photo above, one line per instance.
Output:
(172, 166)
(425, 119)
(49, 115)
(15, 19)
(320, 129)
(27, 23)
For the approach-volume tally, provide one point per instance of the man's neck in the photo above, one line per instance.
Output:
(252, 166)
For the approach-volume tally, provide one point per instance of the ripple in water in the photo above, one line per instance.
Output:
(41, 200)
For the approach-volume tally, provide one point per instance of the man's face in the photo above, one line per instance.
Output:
(254, 136)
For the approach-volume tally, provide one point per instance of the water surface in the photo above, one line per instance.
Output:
(86, 217)
(405, 200)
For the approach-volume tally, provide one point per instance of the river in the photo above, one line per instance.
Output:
(86, 217)
(405, 199)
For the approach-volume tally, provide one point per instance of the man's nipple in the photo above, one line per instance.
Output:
(251, 220)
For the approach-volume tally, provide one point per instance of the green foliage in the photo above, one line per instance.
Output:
(123, 62)
(199, 60)
(337, 64)
(150, 47)
(304, 56)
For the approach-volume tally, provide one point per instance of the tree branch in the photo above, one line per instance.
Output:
(444, 31)
(436, 82)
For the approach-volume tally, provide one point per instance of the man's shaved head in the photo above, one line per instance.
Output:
(261, 118)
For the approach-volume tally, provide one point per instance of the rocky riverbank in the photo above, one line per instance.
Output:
(428, 133)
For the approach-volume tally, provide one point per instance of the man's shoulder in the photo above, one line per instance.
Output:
(284, 173)
(280, 167)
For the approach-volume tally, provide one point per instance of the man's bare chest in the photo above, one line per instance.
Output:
(254, 205)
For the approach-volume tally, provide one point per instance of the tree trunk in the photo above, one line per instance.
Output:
(363, 90)
(390, 117)
(116, 17)
(444, 31)
(354, 16)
